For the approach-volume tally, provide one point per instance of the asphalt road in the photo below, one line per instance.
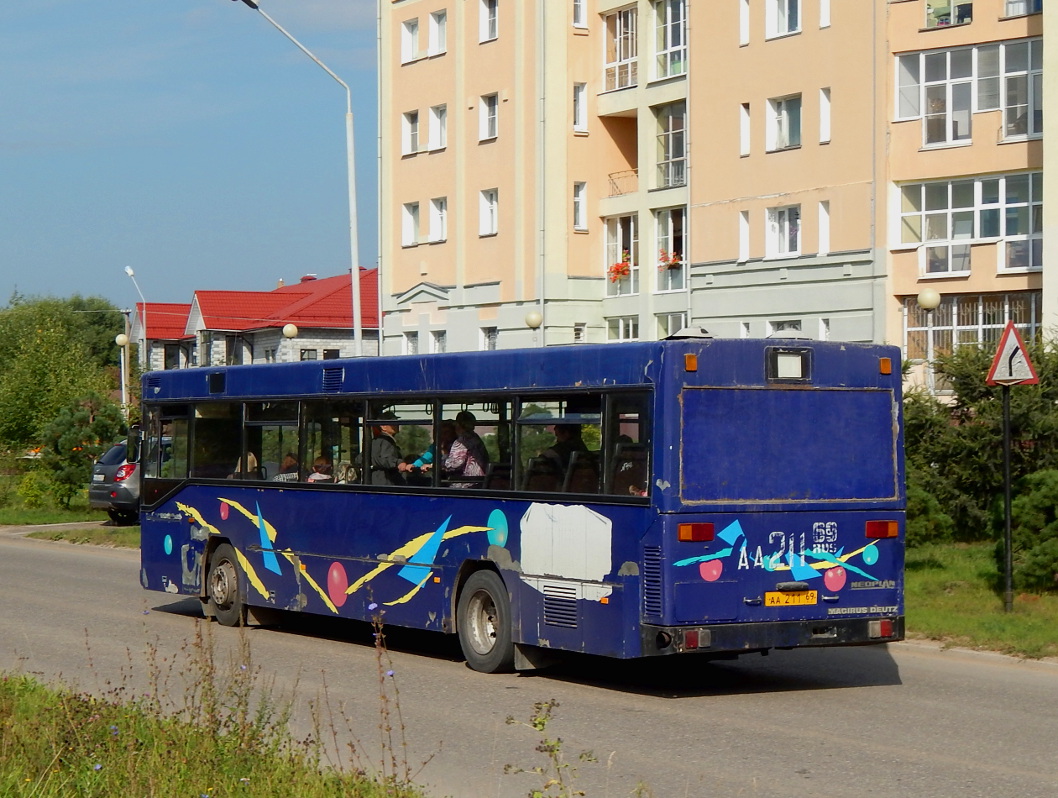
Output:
(901, 720)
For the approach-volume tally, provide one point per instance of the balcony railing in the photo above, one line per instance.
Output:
(626, 182)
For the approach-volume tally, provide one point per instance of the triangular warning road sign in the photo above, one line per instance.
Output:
(1011, 365)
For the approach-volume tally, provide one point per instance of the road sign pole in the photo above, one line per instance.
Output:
(1008, 560)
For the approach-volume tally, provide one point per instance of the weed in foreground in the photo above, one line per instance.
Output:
(557, 772)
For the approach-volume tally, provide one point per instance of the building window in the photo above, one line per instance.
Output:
(409, 40)
(1017, 8)
(489, 211)
(438, 33)
(410, 133)
(487, 122)
(743, 236)
(439, 219)
(672, 266)
(782, 17)
(671, 42)
(784, 232)
(743, 22)
(308, 354)
(672, 145)
(580, 13)
(438, 127)
(622, 256)
(331, 354)
(970, 319)
(580, 107)
(780, 326)
(489, 338)
(489, 20)
(411, 343)
(824, 228)
(580, 332)
(671, 323)
(824, 13)
(824, 116)
(621, 49)
(743, 130)
(580, 206)
(439, 341)
(410, 224)
(784, 123)
(944, 218)
(623, 328)
(938, 16)
(1023, 88)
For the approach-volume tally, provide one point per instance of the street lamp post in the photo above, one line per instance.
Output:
(354, 247)
(929, 300)
(144, 354)
(290, 332)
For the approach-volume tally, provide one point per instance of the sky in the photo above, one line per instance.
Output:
(188, 139)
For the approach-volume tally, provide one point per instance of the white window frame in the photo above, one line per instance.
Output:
(784, 123)
(672, 144)
(744, 130)
(670, 37)
(743, 236)
(409, 40)
(670, 225)
(438, 127)
(824, 115)
(437, 40)
(489, 212)
(824, 13)
(1029, 122)
(488, 117)
(671, 323)
(622, 328)
(1020, 8)
(784, 231)
(438, 341)
(823, 228)
(411, 343)
(743, 23)
(622, 246)
(580, 107)
(489, 21)
(621, 62)
(944, 218)
(409, 224)
(489, 339)
(438, 219)
(580, 206)
(782, 18)
(783, 325)
(410, 133)
(580, 13)
(941, 16)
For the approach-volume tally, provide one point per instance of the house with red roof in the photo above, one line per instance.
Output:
(309, 320)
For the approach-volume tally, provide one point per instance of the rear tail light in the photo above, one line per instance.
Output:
(880, 629)
(124, 472)
(883, 529)
(695, 533)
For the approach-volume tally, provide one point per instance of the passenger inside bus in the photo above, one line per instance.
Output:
(468, 459)
(288, 469)
(385, 454)
(322, 470)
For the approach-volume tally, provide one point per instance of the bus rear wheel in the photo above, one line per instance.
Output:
(223, 588)
(483, 619)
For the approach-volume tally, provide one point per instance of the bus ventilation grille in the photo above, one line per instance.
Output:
(153, 384)
(652, 581)
(332, 380)
(560, 606)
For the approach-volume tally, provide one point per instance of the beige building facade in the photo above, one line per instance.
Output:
(569, 171)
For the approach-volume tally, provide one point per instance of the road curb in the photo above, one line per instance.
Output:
(938, 648)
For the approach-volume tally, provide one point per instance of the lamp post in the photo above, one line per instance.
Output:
(354, 247)
(929, 300)
(144, 354)
(533, 320)
(290, 332)
(122, 340)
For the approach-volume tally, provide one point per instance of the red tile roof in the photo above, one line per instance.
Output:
(165, 320)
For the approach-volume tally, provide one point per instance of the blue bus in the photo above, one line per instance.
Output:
(686, 496)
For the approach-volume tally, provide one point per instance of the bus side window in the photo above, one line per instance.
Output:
(630, 471)
(217, 435)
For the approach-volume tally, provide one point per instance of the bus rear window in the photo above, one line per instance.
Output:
(774, 445)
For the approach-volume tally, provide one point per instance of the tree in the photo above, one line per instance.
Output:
(75, 438)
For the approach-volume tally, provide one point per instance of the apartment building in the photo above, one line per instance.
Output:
(591, 170)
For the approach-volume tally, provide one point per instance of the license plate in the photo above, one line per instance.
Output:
(799, 599)
(98, 477)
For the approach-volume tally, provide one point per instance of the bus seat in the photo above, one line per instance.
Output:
(582, 476)
(498, 476)
(630, 472)
(541, 475)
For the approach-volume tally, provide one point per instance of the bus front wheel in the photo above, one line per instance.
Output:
(484, 623)
(225, 593)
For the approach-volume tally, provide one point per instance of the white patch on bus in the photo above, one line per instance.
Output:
(566, 542)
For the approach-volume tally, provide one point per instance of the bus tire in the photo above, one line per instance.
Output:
(224, 587)
(483, 619)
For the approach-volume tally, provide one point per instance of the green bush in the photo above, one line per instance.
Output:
(34, 489)
(1034, 531)
(926, 520)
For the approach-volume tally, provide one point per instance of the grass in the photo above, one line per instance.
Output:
(953, 594)
(122, 537)
(228, 737)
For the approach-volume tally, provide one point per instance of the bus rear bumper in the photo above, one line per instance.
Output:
(735, 638)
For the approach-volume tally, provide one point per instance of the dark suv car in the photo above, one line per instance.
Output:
(115, 485)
